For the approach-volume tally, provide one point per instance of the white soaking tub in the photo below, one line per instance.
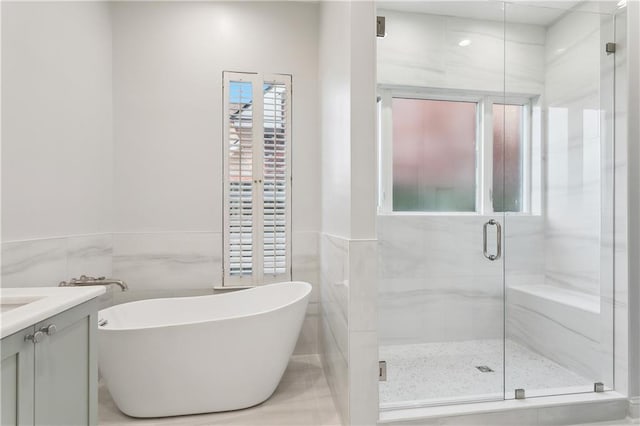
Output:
(187, 355)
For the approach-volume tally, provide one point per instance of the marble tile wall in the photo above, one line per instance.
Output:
(563, 326)
(438, 61)
(434, 282)
(425, 294)
(578, 200)
(574, 178)
(306, 267)
(152, 264)
(348, 336)
(334, 326)
(46, 262)
(165, 261)
(363, 333)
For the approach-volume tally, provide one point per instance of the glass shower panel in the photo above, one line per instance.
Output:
(441, 286)
(558, 268)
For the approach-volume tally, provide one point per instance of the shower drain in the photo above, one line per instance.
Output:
(484, 369)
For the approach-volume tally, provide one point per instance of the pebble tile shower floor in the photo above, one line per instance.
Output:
(441, 372)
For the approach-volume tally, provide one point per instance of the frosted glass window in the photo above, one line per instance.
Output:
(434, 155)
(507, 157)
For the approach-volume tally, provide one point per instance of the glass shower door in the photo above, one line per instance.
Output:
(441, 283)
(556, 148)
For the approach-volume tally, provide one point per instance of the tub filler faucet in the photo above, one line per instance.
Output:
(85, 281)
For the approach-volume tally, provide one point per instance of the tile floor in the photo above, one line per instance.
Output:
(302, 398)
(445, 372)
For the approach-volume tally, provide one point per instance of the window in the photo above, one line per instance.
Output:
(257, 181)
(508, 157)
(434, 155)
(454, 152)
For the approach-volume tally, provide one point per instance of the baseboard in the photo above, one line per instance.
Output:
(634, 407)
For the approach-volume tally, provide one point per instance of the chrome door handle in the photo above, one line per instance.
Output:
(499, 240)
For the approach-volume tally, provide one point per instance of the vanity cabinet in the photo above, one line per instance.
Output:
(50, 371)
(17, 379)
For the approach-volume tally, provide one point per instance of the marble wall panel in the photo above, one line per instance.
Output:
(436, 285)
(564, 326)
(575, 135)
(152, 264)
(168, 260)
(334, 317)
(422, 50)
(46, 262)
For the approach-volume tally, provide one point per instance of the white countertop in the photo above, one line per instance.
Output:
(23, 307)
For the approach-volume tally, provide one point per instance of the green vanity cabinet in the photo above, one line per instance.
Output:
(17, 379)
(50, 371)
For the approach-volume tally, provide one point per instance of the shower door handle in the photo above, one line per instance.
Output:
(498, 243)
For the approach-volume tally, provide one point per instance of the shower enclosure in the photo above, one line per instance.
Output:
(495, 217)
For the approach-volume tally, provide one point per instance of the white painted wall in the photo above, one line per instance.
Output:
(335, 107)
(150, 173)
(57, 143)
(57, 152)
(168, 64)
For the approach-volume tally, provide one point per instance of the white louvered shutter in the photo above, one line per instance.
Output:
(276, 177)
(257, 178)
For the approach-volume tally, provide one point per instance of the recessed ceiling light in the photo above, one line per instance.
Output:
(621, 4)
(464, 43)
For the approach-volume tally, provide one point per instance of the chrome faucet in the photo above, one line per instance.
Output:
(85, 281)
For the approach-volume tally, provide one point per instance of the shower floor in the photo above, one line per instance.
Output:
(436, 373)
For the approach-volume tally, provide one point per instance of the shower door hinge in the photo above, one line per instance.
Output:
(520, 394)
(382, 371)
(380, 26)
(598, 387)
(610, 48)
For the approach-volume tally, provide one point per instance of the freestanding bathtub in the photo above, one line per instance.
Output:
(188, 355)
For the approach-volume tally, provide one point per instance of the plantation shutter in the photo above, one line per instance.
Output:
(276, 180)
(257, 178)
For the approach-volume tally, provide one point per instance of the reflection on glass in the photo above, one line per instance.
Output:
(507, 157)
(434, 155)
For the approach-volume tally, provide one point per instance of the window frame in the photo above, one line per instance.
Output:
(484, 145)
(257, 276)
